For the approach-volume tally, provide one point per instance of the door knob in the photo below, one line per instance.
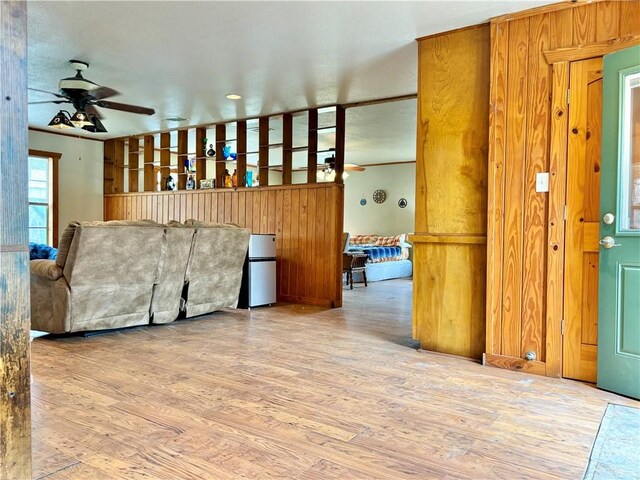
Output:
(608, 218)
(608, 242)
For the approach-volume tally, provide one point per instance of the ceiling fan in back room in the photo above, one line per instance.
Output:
(327, 170)
(85, 96)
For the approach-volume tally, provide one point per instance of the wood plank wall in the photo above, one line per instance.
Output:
(15, 385)
(307, 221)
(527, 136)
(451, 192)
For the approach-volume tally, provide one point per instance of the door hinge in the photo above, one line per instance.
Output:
(562, 327)
(568, 95)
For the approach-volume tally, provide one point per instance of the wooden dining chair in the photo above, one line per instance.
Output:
(354, 262)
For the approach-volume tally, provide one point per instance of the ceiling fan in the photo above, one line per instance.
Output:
(85, 96)
(328, 168)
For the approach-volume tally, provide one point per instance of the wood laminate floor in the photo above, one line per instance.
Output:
(299, 392)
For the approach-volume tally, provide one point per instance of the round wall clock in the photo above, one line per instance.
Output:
(379, 196)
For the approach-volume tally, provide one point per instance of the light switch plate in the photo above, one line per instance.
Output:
(542, 182)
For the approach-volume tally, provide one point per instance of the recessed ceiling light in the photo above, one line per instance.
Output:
(233, 96)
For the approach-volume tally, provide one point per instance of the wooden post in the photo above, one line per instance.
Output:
(108, 159)
(241, 148)
(287, 148)
(149, 157)
(312, 150)
(263, 151)
(15, 401)
(134, 163)
(201, 159)
(165, 158)
(183, 147)
(118, 166)
(340, 135)
(221, 163)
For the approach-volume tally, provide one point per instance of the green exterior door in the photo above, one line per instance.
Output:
(619, 281)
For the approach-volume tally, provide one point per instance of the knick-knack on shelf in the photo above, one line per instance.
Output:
(227, 179)
(234, 179)
(211, 152)
(169, 183)
(191, 183)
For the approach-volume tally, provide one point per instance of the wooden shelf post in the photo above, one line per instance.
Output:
(183, 142)
(149, 156)
(118, 166)
(340, 140)
(221, 164)
(287, 146)
(201, 151)
(134, 163)
(165, 158)
(263, 151)
(312, 152)
(108, 172)
(241, 149)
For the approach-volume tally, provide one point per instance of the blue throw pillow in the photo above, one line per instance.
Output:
(40, 251)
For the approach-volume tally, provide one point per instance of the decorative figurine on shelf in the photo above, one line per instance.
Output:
(233, 156)
(248, 179)
(169, 183)
(234, 178)
(227, 179)
(226, 151)
(191, 183)
(186, 165)
(211, 152)
(189, 165)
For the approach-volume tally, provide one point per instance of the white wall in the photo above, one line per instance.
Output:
(398, 181)
(80, 173)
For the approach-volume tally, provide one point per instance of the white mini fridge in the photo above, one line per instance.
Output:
(259, 273)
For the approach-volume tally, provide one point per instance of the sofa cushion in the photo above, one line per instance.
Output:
(202, 224)
(65, 243)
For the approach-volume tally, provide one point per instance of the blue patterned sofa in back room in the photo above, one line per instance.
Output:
(388, 256)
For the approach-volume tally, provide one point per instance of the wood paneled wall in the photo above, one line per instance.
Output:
(530, 54)
(15, 385)
(307, 221)
(451, 192)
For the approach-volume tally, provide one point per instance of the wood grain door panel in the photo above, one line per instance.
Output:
(583, 205)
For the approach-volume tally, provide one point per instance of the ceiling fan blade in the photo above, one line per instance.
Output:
(91, 110)
(50, 101)
(103, 92)
(45, 91)
(353, 167)
(125, 107)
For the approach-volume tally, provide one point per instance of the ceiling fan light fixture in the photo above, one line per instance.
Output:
(60, 121)
(80, 119)
(96, 125)
(233, 96)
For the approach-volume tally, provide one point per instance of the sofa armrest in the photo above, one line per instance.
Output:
(45, 269)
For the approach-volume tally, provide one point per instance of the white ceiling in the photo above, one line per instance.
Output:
(181, 58)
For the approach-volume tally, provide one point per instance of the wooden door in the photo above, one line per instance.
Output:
(619, 326)
(580, 340)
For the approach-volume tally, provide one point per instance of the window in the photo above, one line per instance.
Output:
(42, 179)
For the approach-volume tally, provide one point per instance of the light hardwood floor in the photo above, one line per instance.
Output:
(299, 392)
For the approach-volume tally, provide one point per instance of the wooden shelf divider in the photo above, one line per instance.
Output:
(118, 166)
(183, 146)
(287, 154)
(312, 155)
(340, 140)
(241, 151)
(149, 173)
(134, 163)
(201, 151)
(221, 142)
(165, 158)
(263, 151)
